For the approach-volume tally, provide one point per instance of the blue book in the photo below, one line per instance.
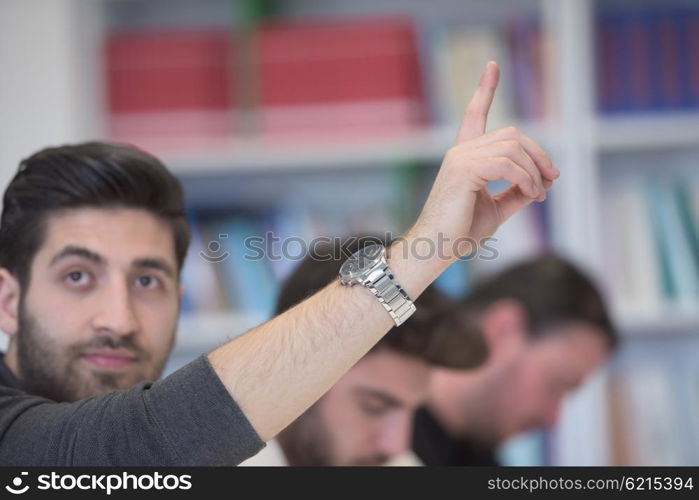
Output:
(689, 219)
(622, 24)
(661, 239)
(255, 288)
(667, 67)
(679, 266)
(679, 18)
(692, 22)
(613, 84)
(638, 41)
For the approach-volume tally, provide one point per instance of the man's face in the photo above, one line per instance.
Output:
(543, 373)
(366, 418)
(101, 307)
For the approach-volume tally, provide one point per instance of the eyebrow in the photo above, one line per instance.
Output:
(76, 251)
(386, 398)
(84, 253)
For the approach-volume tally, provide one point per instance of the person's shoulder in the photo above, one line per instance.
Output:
(270, 456)
(6, 391)
(408, 459)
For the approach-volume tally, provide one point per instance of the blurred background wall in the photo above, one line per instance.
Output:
(321, 118)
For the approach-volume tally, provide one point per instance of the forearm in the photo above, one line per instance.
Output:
(277, 370)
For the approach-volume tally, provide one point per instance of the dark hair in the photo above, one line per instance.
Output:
(553, 293)
(424, 335)
(95, 174)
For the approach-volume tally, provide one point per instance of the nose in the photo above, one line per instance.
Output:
(116, 315)
(395, 436)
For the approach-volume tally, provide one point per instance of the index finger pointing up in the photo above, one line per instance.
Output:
(476, 116)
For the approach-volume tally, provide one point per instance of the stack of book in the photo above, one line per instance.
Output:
(359, 77)
(652, 245)
(237, 261)
(648, 59)
(362, 78)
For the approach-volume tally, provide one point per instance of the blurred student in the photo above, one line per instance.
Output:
(366, 418)
(544, 328)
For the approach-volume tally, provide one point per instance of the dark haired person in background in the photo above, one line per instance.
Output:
(543, 327)
(92, 239)
(366, 418)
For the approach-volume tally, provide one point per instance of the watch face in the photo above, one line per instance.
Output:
(362, 261)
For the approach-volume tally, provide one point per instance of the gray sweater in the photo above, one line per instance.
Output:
(187, 418)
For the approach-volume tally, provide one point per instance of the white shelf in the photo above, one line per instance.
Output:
(669, 323)
(311, 153)
(641, 132)
(628, 133)
(202, 332)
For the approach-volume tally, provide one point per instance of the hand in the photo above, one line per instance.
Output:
(459, 205)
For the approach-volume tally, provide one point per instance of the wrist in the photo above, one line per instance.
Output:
(416, 262)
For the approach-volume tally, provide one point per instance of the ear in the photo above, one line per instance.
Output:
(504, 327)
(9, 302)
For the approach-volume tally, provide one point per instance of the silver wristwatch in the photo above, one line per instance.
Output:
(368, 267)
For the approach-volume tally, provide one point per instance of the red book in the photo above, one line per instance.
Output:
(339, 75)
(170, 89)
(169, 71)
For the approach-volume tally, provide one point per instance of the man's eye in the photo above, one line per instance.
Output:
(147, 281)
(373, 409)
(77, 278)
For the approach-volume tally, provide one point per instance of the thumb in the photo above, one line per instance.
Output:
(510, 202)
(473, 124)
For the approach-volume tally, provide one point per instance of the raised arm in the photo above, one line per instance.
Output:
(277, 370)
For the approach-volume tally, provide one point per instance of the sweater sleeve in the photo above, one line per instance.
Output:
(187, 418)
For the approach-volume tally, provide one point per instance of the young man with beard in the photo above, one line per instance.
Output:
(544, 328)
(92, 240)
(366, 418)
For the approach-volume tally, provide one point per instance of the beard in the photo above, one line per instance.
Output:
(54, 371)
(308, 442)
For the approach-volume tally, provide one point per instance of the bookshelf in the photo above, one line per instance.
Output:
(583, 142)
(587, 434)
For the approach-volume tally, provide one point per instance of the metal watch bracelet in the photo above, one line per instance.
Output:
(391, 295)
